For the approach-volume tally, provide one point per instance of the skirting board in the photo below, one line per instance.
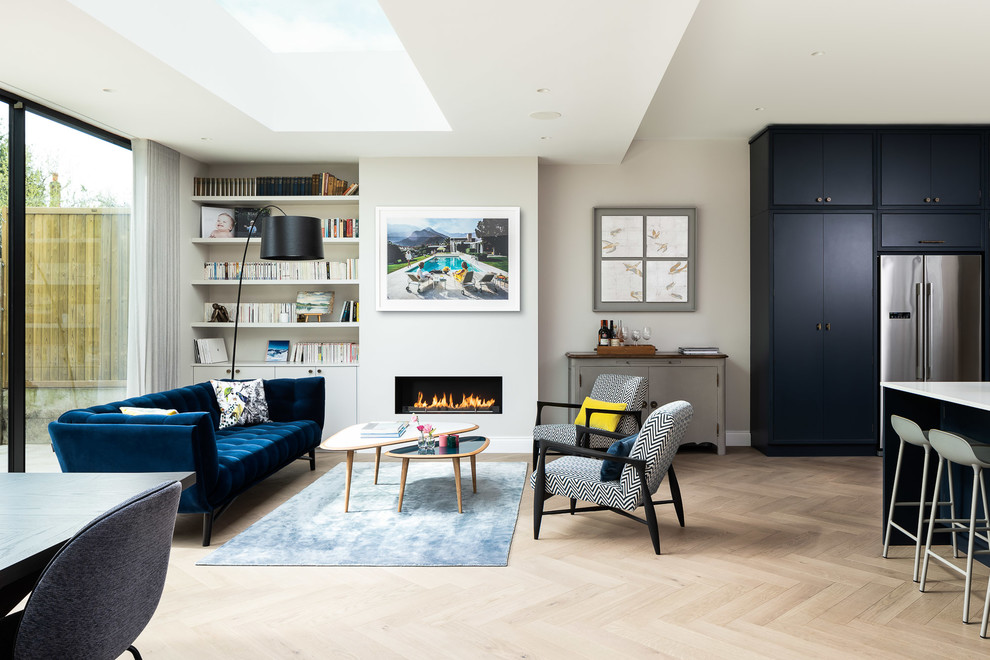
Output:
(522, 445)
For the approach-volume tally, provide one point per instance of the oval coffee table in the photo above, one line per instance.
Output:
(350, 440)
(469, 446)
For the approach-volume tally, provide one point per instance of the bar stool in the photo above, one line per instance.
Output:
(956, 449)
(910, 433)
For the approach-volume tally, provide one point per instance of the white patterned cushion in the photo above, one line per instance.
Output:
(241, 402)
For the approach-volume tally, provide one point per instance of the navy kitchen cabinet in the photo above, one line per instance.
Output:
(814, 169)
(822, 332)
(930, 169)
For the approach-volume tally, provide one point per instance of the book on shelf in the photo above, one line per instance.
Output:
(315, 352)
(384, 429)
(210, 350)
(348, 312)
(319, 184)
(339, 227)
(254, 312)
(698, 350)
(278, 350)
(281, 270)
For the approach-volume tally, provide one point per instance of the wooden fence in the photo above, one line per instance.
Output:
(76, 294)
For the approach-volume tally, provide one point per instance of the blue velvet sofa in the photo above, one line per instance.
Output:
(226, 461)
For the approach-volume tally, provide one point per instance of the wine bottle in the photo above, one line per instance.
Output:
(613, 337)
(603, 335)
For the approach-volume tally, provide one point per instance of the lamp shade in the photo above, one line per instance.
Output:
(291, 238)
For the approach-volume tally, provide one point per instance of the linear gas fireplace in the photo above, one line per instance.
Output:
(448, 394)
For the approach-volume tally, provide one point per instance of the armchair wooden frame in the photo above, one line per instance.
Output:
(540, 495)
(540, 405)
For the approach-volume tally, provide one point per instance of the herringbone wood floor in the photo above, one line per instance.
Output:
(780, 558)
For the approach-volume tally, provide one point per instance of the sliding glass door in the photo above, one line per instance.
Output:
(66, 272)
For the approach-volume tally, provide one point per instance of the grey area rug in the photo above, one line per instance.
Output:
(311, 529)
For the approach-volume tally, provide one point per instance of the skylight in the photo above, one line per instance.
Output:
(316, 26)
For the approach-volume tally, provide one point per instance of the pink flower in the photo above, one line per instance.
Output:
(421, 428)
(427, 428)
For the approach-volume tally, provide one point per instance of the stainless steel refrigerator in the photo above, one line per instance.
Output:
(931, 317)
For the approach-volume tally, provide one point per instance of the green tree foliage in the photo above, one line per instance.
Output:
(44, 187)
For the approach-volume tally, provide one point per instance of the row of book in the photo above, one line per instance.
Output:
(278, 312)
(349, 312)
(324, 352)
(282, 270)
(321, 183)
(339, 227)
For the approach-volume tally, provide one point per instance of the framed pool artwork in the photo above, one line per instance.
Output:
(447, 258)
(644, 259)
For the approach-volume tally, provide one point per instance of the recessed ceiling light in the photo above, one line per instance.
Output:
(205, 139)
(818, 53)
(545, 138)
(545, 114)
(108, 90)
(759, 109)
(543, 90)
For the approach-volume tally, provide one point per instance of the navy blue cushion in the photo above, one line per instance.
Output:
(612, 470)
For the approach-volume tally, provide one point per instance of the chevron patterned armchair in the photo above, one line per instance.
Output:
(578, 474)
(613, 388)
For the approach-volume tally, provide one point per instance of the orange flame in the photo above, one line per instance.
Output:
(446, 402)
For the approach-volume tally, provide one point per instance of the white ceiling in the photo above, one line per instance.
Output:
(611, 69)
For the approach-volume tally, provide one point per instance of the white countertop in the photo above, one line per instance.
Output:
(972, 394)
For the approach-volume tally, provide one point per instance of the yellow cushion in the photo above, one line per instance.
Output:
(602, 421)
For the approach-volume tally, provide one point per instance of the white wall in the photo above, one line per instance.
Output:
(710, 175)
(453, 343)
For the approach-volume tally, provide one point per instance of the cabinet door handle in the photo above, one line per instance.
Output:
(818, 199)
(928, 200)
(931, 241)
(828, 326)
(319, 371)
(828, 199)
(309, 371)
(936, 200)
(653, 404)
(818, 326)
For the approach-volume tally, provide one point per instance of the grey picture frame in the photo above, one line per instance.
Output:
(644, 259)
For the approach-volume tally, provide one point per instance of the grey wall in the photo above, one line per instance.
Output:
(453, 343)
(710, 175)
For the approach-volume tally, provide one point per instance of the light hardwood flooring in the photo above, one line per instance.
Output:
(780, 558)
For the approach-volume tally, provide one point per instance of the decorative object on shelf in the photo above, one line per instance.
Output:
(644, 259)
(428, 245)
(283, 238)
(217, 222)
(278, 350)
(314, 303)
(220, 314)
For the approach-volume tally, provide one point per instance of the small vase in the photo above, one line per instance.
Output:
(431, 442)
(422, 442)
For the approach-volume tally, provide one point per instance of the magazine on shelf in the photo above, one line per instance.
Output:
(278, 350)
(211, 350)
(384, 429)
(699, 350)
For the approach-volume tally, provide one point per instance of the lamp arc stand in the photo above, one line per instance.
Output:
(240, 284)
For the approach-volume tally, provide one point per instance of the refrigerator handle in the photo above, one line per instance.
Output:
(928, 330)
(919, 323)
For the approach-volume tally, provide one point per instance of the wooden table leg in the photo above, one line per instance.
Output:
(378, 460)
(402, 481)
(347, 480)
(474, 475)
(457, 481)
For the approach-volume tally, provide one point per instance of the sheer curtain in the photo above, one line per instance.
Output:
(152, 338)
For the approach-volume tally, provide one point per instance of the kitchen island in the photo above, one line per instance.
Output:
(956, 407)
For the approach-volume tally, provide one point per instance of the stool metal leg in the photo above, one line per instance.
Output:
(921, 514)
(972, 538)
(986, 613)
(893, 501)
(931, 524)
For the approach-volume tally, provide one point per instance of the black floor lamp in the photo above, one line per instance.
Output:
(283, 238)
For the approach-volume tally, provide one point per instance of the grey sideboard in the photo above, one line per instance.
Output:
(697, 379)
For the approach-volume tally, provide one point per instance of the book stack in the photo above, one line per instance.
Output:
(282, 270)
(349, 312)
(699, 350)
(256, 312)
(339, 227)
(211, 350)
(384, 429)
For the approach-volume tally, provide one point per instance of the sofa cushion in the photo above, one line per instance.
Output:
(247, 454)
(241, 402)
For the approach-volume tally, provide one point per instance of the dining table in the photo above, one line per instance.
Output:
(40, 511)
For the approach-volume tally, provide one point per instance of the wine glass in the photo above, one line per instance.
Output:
(647, 333)
(623, 331)
(635, 336)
